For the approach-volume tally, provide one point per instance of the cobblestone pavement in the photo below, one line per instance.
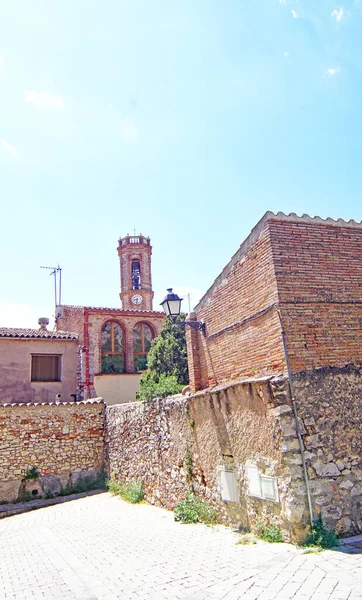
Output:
(100, 548)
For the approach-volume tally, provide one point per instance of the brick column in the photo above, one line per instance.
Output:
(193, 355)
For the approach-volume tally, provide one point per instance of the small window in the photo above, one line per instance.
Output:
(45, 367)
(142, 338)
(112, 342)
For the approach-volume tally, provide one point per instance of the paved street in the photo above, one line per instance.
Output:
(100, 548)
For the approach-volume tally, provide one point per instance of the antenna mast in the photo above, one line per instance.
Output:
(57, 272)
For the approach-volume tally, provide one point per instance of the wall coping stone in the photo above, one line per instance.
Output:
(255, 233)
(65, 403)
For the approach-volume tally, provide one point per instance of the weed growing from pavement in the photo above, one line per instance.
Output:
(130, 491)
(321, 536)
(246, 539)
(268, 533)
(194, 510)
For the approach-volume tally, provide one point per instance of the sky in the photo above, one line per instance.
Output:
(182, 120)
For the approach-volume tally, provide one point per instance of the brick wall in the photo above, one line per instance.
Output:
(313, 270)
(236, 346)
(88, 322)
(318, 267)
(60, 440)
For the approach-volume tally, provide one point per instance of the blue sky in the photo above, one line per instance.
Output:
(185, 119)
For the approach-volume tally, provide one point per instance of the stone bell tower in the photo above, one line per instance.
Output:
(134, 253)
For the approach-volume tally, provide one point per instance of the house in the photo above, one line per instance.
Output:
(37, 365)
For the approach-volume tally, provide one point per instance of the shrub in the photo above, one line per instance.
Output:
(32, 473)
(269, 533)
(321, 536)
(194, 510)
(161, 387)
(131, 491)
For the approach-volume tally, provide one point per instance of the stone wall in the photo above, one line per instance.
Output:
(60, 440)
(330, 407)
(247, 424)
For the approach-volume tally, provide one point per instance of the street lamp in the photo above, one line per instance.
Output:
(171, 305)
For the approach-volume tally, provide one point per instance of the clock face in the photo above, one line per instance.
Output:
(137, 299)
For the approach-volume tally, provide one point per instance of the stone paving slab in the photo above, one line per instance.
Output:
(101, 548)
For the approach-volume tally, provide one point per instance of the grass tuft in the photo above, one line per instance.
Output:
(269, 533)
(130, 491)
(321, 536)
(194, 510)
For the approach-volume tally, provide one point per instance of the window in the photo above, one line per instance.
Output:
(112, 348)
(142, 338)
(45, 367)
(136, 275)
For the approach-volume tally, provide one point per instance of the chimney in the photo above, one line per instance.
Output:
(43, 322)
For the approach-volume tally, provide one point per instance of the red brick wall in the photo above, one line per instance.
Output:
(318, 267)
(246, 349)
(313, 270)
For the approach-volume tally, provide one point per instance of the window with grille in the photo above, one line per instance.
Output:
(46, 367)
(112, 348)
(142, 338)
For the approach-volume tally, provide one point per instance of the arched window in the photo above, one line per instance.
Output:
(112, 342)
(142, 338)
(136, 275)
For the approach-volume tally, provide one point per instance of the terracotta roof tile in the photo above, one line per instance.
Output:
(67, 403)
(19, 332)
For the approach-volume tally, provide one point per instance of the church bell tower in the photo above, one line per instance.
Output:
(134, 253)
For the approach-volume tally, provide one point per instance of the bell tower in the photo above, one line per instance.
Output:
(134, 253)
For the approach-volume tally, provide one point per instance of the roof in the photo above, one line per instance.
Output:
(19, 332)
(115, 310)
(255, 232)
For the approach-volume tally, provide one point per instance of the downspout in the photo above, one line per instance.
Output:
(295, 412)
(86, 345)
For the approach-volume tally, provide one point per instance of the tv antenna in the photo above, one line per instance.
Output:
(57, 272)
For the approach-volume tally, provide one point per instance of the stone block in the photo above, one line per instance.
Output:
(326, 470)
(9, 490)
(51, 484)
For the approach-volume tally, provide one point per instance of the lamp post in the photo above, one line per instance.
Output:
(171, 305)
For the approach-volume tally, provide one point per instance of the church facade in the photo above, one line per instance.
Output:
(114, 343)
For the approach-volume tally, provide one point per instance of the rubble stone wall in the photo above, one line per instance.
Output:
(59, 440)
(330, 407)
(231, 428)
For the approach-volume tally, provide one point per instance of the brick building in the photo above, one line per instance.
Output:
(296, 280)
(309, 269)
(115, 342)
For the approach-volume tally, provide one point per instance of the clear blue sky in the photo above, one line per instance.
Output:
(185, 119)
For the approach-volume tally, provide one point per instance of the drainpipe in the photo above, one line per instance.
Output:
(295, 412)
(86, 343)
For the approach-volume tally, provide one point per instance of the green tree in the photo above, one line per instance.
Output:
(168, 355)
